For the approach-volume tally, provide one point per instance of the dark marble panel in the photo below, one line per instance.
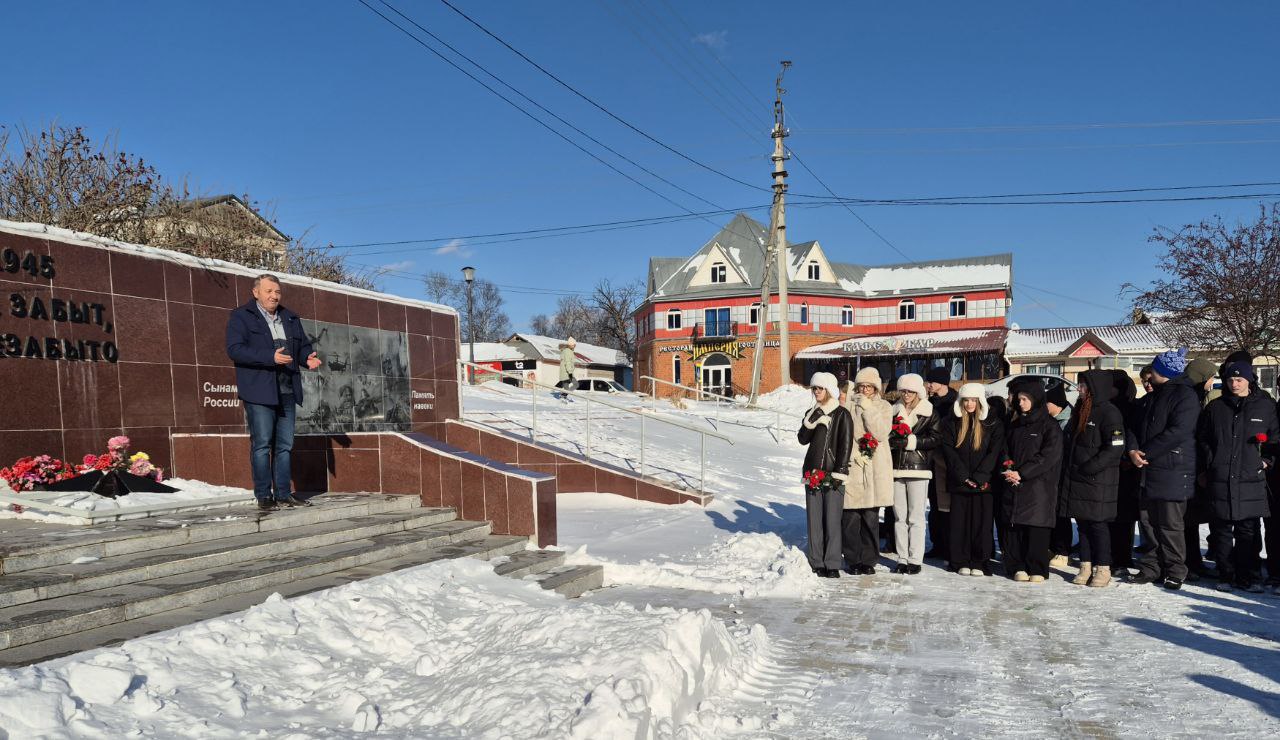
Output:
(90, 395)
(141, 329)
(20, 245)
(211, 335)
(391, 316)
(182, 332)
(362, 311)
(331, 306)
(213, 288)
(146, 393)
(177, 282)
(80, 268)
(134, 275)
(37, 382)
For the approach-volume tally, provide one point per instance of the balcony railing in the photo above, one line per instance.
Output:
(715, 331)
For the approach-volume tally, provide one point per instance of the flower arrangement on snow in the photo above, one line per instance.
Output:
(29, 472)
(118, 458)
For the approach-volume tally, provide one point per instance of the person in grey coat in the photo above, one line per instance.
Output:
(1163, 448)
(1237, 437)
(827, 430)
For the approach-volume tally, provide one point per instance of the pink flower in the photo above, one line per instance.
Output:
(118, 444)
(90, 460)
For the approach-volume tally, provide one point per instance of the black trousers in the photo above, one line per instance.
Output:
(1028, 550)
(1272, 540)
(1238, 545)
(1060, 539)
(1197, 513)
(887, 530)
(1095, 542)
(938, 522)
(860, 536)
(1122, 542)
(1162, 526)
(970, 536)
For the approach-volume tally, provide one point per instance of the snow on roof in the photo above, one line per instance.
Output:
(495, 352)
(204, 263)
(1123, 338)
(929, 342)
(548, 348)
(913, 277)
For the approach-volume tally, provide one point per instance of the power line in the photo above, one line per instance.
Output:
(542, 108)
(598, 106)
(1027, 128)
(517, 106)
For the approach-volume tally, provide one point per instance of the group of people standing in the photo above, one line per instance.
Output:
(1182, 454)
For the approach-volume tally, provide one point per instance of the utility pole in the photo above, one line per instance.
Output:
(776, 249)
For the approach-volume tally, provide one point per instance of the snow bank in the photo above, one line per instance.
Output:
(189, 493)
(793, 399)
(747, 565)
(448, 649)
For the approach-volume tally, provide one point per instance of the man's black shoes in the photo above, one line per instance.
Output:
(266, 504)
(292, 501)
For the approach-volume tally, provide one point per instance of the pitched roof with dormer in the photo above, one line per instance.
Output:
(741, 246)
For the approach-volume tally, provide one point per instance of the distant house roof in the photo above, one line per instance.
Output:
(743, 240)
(493, 352)
(548, 348)
(923, 343)
(1058, 341)
(226, 198)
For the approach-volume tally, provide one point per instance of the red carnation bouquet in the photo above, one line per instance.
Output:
(900, 429)
(1259, 439)
(818, 480)
(29, 472)
(867, 445)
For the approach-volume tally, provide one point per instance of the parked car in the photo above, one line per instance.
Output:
(601, 385)
(1001, 387)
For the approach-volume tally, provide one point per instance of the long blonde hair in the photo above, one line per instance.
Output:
(969, 420)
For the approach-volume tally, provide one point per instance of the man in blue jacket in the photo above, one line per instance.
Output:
(1162, 446)
(263, 338)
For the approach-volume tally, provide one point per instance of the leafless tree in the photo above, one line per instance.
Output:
(492, 323)
(1222, 290)
(613, 306)
(541, 324)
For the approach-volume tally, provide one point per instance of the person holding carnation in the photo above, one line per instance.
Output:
(972, 442)
(1236, 439)
(827, 430)
(913, 437)
(870, 483)
(1030, 472)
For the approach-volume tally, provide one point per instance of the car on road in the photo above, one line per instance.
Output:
(601, 385)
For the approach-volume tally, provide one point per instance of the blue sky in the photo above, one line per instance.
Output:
(356, 134)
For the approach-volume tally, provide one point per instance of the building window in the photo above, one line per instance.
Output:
(907, 310)
(846, 316)
(1050, 368)
(804, 313)
(753, 315)
(718, 273)
(673, 318)
(815, 272)
(717, 323)
(959, 307)
(675, 369)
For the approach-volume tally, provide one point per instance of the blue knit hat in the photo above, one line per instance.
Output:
(1170, 364)
(1240, 370)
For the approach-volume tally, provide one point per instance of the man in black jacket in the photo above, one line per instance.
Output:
(1236, 437)
(937, 383)
(1162, 447)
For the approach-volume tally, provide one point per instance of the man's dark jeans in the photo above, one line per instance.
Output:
(271, 436)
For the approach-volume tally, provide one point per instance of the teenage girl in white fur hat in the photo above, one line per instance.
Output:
(828, 431)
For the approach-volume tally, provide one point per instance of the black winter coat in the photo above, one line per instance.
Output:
(965, 463)
(927, 431)
(829, 443)
(944, 409)
(1166, 432)
(1091, 479)
(1231, 460)
(1035, 446)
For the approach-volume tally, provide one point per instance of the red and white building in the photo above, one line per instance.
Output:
(698, 324)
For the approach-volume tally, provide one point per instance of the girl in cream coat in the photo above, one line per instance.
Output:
(870, 483)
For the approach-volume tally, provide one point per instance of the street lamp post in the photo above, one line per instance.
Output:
(469, 274)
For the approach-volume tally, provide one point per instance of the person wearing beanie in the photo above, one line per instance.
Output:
(827, 430)
(913, 454)
(1237, 437)
(937, 384)
(1239, 355)
(1033, 461)
(1055, 400)
(972, 440)
(870, 483)
(1091, 479)
(1162, 446)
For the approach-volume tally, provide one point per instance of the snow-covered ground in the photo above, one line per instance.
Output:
(712, 626)
(190, 493)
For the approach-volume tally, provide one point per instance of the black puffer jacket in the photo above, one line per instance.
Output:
(829, 441)
(1034, 444)
(1166, 432)
(1231, 459)
(967, 464)
(927, 432)
(1091, 483)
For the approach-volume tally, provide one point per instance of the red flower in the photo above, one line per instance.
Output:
(900, 428)
(816, 479)
(1007, 465)
(867, 445)
(1260, 438)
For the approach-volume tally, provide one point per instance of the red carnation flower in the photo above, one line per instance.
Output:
(1260, 438)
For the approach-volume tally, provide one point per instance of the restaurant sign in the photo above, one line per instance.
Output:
(887, 344)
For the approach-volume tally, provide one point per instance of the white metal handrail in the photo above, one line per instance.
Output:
(533, 436)
(779, 413)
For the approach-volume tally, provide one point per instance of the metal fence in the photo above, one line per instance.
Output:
(722, 400)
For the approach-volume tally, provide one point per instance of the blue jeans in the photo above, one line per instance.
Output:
(271, 431)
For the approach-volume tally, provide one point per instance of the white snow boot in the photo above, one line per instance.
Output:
(1101, 577)
(1021, 576)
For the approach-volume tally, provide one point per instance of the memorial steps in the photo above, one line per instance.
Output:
(65, 589)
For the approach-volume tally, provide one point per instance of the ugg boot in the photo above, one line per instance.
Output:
(1059, 561)
(1101, 576)
(1036, 579)
(1021, 576)
(1082, 578)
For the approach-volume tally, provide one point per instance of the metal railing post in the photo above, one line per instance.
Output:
(702, 467)
(588, 428)
(533, 432)
(641, 446)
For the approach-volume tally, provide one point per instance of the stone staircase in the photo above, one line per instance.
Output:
(66, 589)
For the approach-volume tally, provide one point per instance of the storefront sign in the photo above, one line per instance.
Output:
(733, 348)
(888, 344)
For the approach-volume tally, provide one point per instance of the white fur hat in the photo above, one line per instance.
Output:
(827, 381)
(912, 382)
(972, 390)
(571, 342)
(868, 376)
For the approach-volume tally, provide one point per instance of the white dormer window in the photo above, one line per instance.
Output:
(673, 318)
(846, 316)
(719, 273)
(906, 310)
(815, 272)
(959, 307)
(754, 314)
